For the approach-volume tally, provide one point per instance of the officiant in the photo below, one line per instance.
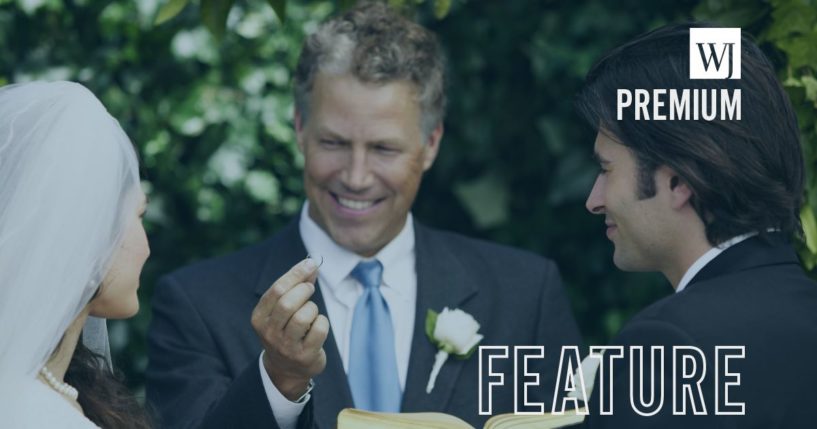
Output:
(265, 337)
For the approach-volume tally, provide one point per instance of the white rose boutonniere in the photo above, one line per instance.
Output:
(454, 332)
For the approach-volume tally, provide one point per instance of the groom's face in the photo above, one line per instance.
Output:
(365, 155)
(635, 225)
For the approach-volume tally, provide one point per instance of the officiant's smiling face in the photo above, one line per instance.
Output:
(365, 154)
(117, 297)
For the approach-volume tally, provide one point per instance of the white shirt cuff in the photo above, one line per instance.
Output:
(285, 411)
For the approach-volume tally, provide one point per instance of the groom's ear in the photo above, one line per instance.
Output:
(680, 193)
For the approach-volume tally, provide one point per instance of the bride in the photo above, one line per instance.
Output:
(72, 246)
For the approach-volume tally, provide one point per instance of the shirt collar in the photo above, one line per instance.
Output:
(707, 257)
(339, 262)
(397, 258)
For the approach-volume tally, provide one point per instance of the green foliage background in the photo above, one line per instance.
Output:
(211, 117)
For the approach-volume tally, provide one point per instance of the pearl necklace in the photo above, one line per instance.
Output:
(60, 386)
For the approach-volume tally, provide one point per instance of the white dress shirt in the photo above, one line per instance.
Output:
(340, 293)
(707, 257)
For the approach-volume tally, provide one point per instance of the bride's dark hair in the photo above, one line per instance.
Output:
(104, 398)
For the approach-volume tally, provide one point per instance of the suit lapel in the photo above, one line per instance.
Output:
(331, 393)
(442, 281)
(285, 250)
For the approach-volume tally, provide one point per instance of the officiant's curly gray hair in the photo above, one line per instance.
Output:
(376, 45)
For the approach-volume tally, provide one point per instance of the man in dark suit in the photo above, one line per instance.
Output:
(265, 338)
(712, 205)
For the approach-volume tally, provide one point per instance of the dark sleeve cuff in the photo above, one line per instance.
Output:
(245, 405)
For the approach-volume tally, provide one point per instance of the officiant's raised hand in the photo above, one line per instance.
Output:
(291, 330)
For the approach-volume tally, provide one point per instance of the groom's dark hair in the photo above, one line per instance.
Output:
(746, 175)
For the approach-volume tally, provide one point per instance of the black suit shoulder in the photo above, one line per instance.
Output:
(203, 362)
(709, 309)
(752, 296)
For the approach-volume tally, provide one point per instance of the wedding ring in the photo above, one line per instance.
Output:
(315, 257)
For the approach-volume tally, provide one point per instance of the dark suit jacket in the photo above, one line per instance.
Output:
(753, 294)
(203, 352)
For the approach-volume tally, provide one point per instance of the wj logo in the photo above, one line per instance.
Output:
(714, 53)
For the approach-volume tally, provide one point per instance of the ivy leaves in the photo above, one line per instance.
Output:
(214, 13)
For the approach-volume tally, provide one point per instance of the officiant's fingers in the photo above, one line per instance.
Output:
(304, 271)
(291, 302)
(312, 278)
(318, 260)
(317, 333)
(300, 322)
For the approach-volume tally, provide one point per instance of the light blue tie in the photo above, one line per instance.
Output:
(372, 363)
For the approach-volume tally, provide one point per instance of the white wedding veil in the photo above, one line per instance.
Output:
(68, 186)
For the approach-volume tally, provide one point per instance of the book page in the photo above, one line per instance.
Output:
(351, 418)
(544, 421)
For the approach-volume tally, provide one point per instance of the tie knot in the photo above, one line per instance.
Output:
(368, 273)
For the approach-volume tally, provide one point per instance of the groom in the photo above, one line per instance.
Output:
(713, 206)
(251, 339)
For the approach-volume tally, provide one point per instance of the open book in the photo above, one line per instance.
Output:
(351, 418)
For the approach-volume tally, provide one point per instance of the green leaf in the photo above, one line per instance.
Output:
(792, 82)
(431, 322)
(810, 83)
(486, 199)
(790, 18)
(809, 228)
(263, 186)
(345, 4)
(801, 50)
(809, 259)
(470, 352)
(214, 15)
(169, 10)
(441, 8)
(731, 14)
(280, 8)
